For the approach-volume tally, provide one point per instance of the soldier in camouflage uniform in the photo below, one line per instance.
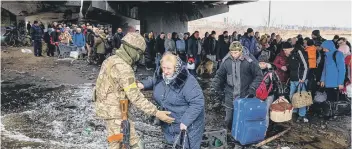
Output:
(116, 81)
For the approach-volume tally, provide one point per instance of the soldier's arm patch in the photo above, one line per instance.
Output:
(128, 83)
(131, 86)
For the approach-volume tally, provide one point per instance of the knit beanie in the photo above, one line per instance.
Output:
(236, 46)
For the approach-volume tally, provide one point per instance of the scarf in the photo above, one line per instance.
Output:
(178, 69)
(128, 54)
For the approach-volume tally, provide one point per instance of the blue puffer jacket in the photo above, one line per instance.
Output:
(36, 33)
(78, 39)
(333, 73)
(251, 44)
(183, 97)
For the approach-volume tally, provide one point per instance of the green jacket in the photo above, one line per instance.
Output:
(99, 43)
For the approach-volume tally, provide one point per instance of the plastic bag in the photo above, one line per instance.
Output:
(26, 51)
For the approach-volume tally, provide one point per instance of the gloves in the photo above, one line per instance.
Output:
(163, 116)
(251, 93)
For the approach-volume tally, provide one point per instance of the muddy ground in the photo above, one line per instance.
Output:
(46, 104)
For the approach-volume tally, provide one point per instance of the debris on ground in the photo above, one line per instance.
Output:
(272, 138)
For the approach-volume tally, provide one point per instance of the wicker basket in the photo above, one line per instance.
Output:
(281, 110)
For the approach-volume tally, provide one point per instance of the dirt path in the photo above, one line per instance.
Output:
(18, 67)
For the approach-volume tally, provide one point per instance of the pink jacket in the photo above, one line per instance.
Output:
(345, 50)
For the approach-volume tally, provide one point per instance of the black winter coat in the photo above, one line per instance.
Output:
(54, 37)
(47, 37)
(117, 40)
(90, 37)
(320, 67)
(149, 52)
(222, 48)
(298, 64)
(210, 46)
(159, 45)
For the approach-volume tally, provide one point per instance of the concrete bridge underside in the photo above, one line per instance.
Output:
(151, 16)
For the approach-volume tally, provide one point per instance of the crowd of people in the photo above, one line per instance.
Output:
(90, 40)
(295, 64)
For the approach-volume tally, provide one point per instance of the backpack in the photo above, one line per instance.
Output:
(181, 45)
(262, 92)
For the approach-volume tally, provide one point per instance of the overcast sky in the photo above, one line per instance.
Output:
(308, 13)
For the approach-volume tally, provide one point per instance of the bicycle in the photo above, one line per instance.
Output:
(15, 36)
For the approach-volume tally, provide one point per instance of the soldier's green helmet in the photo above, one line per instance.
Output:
(135, 41)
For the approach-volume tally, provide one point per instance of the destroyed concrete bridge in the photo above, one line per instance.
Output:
(154, 16)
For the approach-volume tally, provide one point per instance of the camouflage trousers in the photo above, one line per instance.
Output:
(113, 127)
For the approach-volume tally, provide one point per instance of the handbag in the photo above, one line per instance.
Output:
(182, 137)
(262, 92)
(320, 96)
(301, 98)
(281, 110)
(191, 66)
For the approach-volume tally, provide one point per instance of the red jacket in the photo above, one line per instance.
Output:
(349, 66)
(281, 60)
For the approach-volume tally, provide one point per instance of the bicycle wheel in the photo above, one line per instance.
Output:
(4, 42)
(11, 41)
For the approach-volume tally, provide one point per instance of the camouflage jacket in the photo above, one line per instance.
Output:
(116, 81)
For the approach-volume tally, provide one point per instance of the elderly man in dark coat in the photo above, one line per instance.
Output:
(239, 76)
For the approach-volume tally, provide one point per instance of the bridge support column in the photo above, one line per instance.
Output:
(161, 19)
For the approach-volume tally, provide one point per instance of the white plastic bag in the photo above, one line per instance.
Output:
(191, 66)
(26, 51)
(320, 97)
(74, 54)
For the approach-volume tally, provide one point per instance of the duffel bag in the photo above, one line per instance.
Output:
(301, 98)
(340, 107)
(281, 110)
